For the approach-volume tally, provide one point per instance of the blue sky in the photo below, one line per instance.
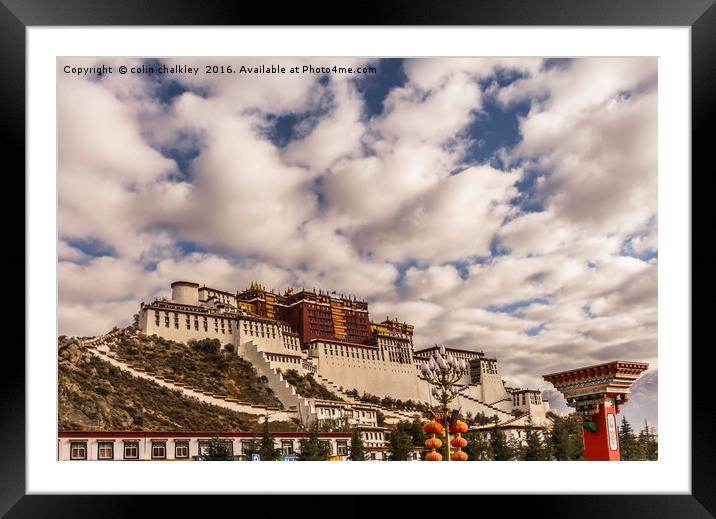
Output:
(504, 205)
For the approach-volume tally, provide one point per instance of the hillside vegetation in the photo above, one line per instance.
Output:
(203, 364)
(95, 395)
(308, 387)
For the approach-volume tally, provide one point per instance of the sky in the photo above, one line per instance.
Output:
(501, 205)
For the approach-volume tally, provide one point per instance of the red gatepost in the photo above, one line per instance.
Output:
(597, 393)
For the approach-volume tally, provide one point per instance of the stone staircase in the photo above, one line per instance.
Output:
(490, 408)
(284, 391)
(100, 348)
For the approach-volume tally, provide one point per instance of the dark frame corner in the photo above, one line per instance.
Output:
(700, 15)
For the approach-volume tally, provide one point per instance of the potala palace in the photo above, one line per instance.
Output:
(333, 338)
(328, 336)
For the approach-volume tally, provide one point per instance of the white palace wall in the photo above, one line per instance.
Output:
(173, 326)
(368, 375)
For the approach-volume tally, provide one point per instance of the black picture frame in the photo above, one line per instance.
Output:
(699, 15)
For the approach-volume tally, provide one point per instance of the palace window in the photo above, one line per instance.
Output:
(181, 449)
(342, 448)
(287, 448)
(105, 450)
(131, 450)
(78, 450)
(159, 450)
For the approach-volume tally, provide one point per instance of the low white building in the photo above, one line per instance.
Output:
(180, 446)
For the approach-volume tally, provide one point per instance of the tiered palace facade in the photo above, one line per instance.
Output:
(333, 337)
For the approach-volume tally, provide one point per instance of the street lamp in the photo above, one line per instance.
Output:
(442, 371)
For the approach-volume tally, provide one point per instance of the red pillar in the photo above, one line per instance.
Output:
(603, 444)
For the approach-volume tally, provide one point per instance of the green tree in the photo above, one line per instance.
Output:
(266, 448)
(380, 417)
(534, 449)
(628, 443)
(387, 402)
(478, 447)
(312, 448)
(498, 443)
(333, 425)
(357, 450)
(516, 448)
(414, 430)
(565, 440)
(219, 450)
(648, 443)
(252, 447)
(400, 446)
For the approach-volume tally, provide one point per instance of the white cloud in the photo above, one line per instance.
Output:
(453, 221)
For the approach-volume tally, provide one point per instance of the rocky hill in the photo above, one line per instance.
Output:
(94, 395)
(204, 364)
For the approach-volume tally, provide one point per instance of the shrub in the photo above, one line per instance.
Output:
(206, 345)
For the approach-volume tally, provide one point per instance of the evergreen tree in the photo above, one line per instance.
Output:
(400, 446)
(501, 451)
(648, 443)
(219, 450)
(516, 448)
(266, 449)
(565, 441)
(414, 430)
(628, 443)
(357, 450)
(380, 417)
(534, 449)
(312, 448)
(251, 447)
(334, 425)
(478, 447)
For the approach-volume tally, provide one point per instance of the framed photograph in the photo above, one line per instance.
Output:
(358, 239)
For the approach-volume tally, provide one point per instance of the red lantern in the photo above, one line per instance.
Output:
(459, 442)
(459, 427)
(459, 456)
(433, 443)
(434, 456)
(433, 427)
